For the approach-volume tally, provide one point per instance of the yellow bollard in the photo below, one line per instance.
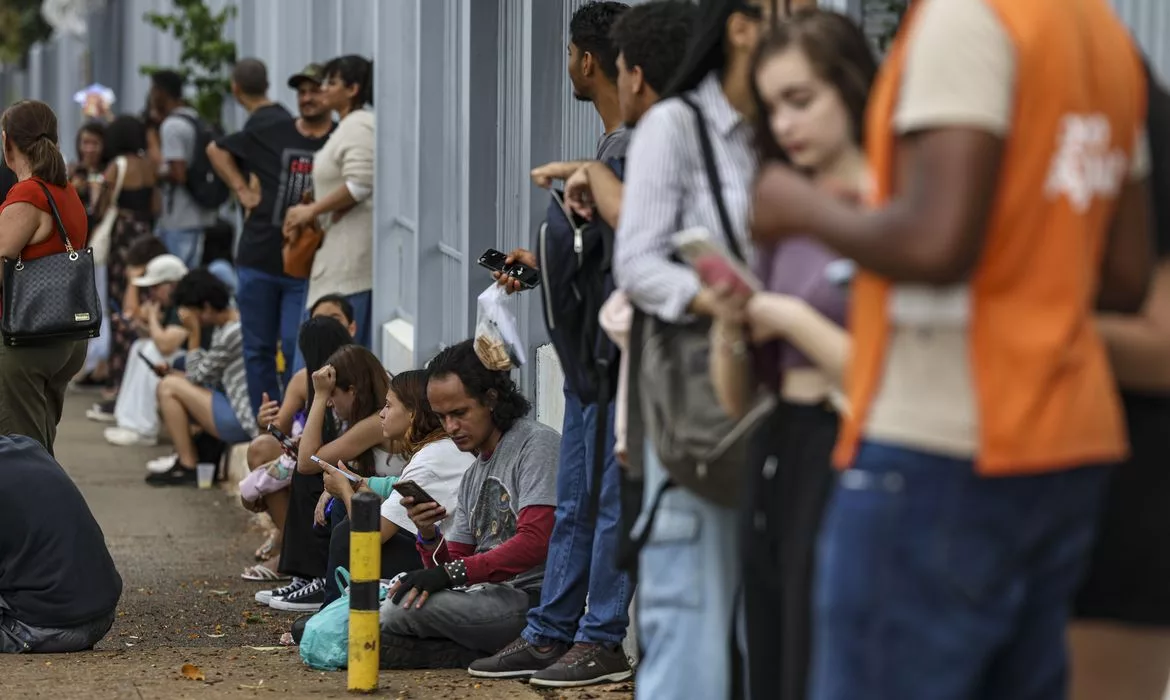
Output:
(365, 566)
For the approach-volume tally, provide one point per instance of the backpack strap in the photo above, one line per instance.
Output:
(713, 178)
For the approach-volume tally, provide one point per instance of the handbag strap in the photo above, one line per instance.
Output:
(60, 224)
(120, 164)
(708, 152)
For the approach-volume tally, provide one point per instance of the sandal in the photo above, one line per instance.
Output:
(260, 572)
(268, 549)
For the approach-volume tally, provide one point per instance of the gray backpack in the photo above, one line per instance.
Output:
(701, 447)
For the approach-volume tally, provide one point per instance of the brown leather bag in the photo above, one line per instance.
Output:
(301, 247)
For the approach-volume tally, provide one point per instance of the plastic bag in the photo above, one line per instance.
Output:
(497, 340)
(325, 644)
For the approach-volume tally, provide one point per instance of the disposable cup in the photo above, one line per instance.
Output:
(205, 473)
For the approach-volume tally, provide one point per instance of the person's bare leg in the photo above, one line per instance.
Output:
(180, 402)
(1114, 661)
(262, 450)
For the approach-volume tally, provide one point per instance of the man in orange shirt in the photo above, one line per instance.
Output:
(1009, 178)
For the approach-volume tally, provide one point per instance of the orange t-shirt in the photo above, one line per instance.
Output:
(68, 204)
(1045, 396)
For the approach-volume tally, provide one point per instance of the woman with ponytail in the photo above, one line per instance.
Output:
(33, 380)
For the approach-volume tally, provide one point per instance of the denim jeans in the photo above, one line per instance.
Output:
(934, 583)
(688, 578)
(582, 554)
(270, 310)
(361, 315)
(187, 244)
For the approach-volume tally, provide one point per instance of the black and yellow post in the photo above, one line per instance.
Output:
(365, 560)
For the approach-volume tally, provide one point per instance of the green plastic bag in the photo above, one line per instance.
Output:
(325, 644)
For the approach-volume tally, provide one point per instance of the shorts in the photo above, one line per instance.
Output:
(226, 423)
(1128, 579)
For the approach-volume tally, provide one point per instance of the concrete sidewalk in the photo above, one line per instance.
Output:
(180, 552)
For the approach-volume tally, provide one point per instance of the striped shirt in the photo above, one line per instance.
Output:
(667, 190)
(222, 365)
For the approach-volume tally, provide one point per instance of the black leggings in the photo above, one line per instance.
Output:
(398, 555)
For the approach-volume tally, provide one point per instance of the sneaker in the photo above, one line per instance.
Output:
(309, 599)
(159, 465)
(177, 475)
(585, 664)
(124, 437)
(102, 412)
(517, 660)
(265, 597)
(400, 652)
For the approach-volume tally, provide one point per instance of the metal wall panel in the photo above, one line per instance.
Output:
(1149, 20)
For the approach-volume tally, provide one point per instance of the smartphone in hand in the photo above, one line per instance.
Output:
(712, 262)
(285, 441)
(496, 261)
(329, 467)
(153, 367)
(409, 488)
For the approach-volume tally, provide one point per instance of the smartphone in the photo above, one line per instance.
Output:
(327, 467)
(153, 366)
(409, 488)
(712, 261)
(493, 260)
(284, 440)
(496, 261)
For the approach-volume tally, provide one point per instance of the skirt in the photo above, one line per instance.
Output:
(789, 481)
(1128, 579)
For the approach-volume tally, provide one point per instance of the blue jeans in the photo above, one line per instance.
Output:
(361, 315)
(934, 583)
(688, 578)
(270, 310)
(582, 555)
(187, 244)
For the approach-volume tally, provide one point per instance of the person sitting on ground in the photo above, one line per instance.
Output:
(266, 489)
(433, 462)
(58, 584)
(354, 384)
(136, 409)
(494, 553)
(185, 399)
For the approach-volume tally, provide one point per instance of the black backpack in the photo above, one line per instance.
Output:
(575, 258)
(205, 187)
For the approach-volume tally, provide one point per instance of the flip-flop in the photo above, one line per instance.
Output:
(267, 549)
(262, 573)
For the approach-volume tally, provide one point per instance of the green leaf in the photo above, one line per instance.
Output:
(205, 56)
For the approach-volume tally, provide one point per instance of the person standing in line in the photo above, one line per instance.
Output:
(690, 565)
(343, 182)
(277, 153)
(33, 380)
(183, 220)
(1010, 203)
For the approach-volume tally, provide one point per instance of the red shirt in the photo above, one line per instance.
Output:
(68, 204)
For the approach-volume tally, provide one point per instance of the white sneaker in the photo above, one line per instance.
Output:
(309, 598)
(162, 464)
(124, 437)
(99, 413)
(267, 596)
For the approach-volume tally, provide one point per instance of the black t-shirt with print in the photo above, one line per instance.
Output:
(282, 158)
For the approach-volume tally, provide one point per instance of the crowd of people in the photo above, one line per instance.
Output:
(895, 430)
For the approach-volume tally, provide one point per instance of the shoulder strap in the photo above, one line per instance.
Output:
(121, 165)
(714, 179)
(56, 216)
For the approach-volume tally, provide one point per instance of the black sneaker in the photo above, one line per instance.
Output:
(265, 597)
(517, 660)
(308, 599)
(585, 664)
(400, 652)
(177, 475)
(298, 628)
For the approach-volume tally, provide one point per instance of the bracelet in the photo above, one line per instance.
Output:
(426, 543)
(457, 571)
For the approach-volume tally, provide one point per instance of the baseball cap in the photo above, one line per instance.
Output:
(164, 268)
(311, 72)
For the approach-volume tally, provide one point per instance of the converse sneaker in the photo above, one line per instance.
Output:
(585, 664)
(102, 412)
(177, 475)
(265, 597)
(308, 599)
(517, 660)
(158, 465)
(124, 437)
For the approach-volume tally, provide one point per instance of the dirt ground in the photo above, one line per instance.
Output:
(180, 552)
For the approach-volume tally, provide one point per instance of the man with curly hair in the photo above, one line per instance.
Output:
(480, 578)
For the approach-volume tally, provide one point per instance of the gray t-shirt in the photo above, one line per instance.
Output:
(521, 472)
(613, 144)
(177, 136)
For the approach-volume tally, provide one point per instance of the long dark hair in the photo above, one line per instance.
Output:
(839, 54)
(491, 388)
(353, 70)
(93, 128)
(32, 129)
(706, 50)
(411, 389)
(319, 338)
(358, 369)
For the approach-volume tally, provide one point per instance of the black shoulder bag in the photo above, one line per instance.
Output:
(51, 299)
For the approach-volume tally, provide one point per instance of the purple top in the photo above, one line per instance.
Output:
(798, 267)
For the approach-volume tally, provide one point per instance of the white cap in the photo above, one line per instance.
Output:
(164, 268)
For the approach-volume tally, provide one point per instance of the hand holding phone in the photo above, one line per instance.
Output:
(285, 441)
(413, 490)
(520, 271)
(330, 468)
(714, 265)
(156, 368)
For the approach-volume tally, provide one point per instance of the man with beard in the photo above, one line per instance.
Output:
(277, 154)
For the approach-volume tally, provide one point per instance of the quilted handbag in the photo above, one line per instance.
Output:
(50, 299)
